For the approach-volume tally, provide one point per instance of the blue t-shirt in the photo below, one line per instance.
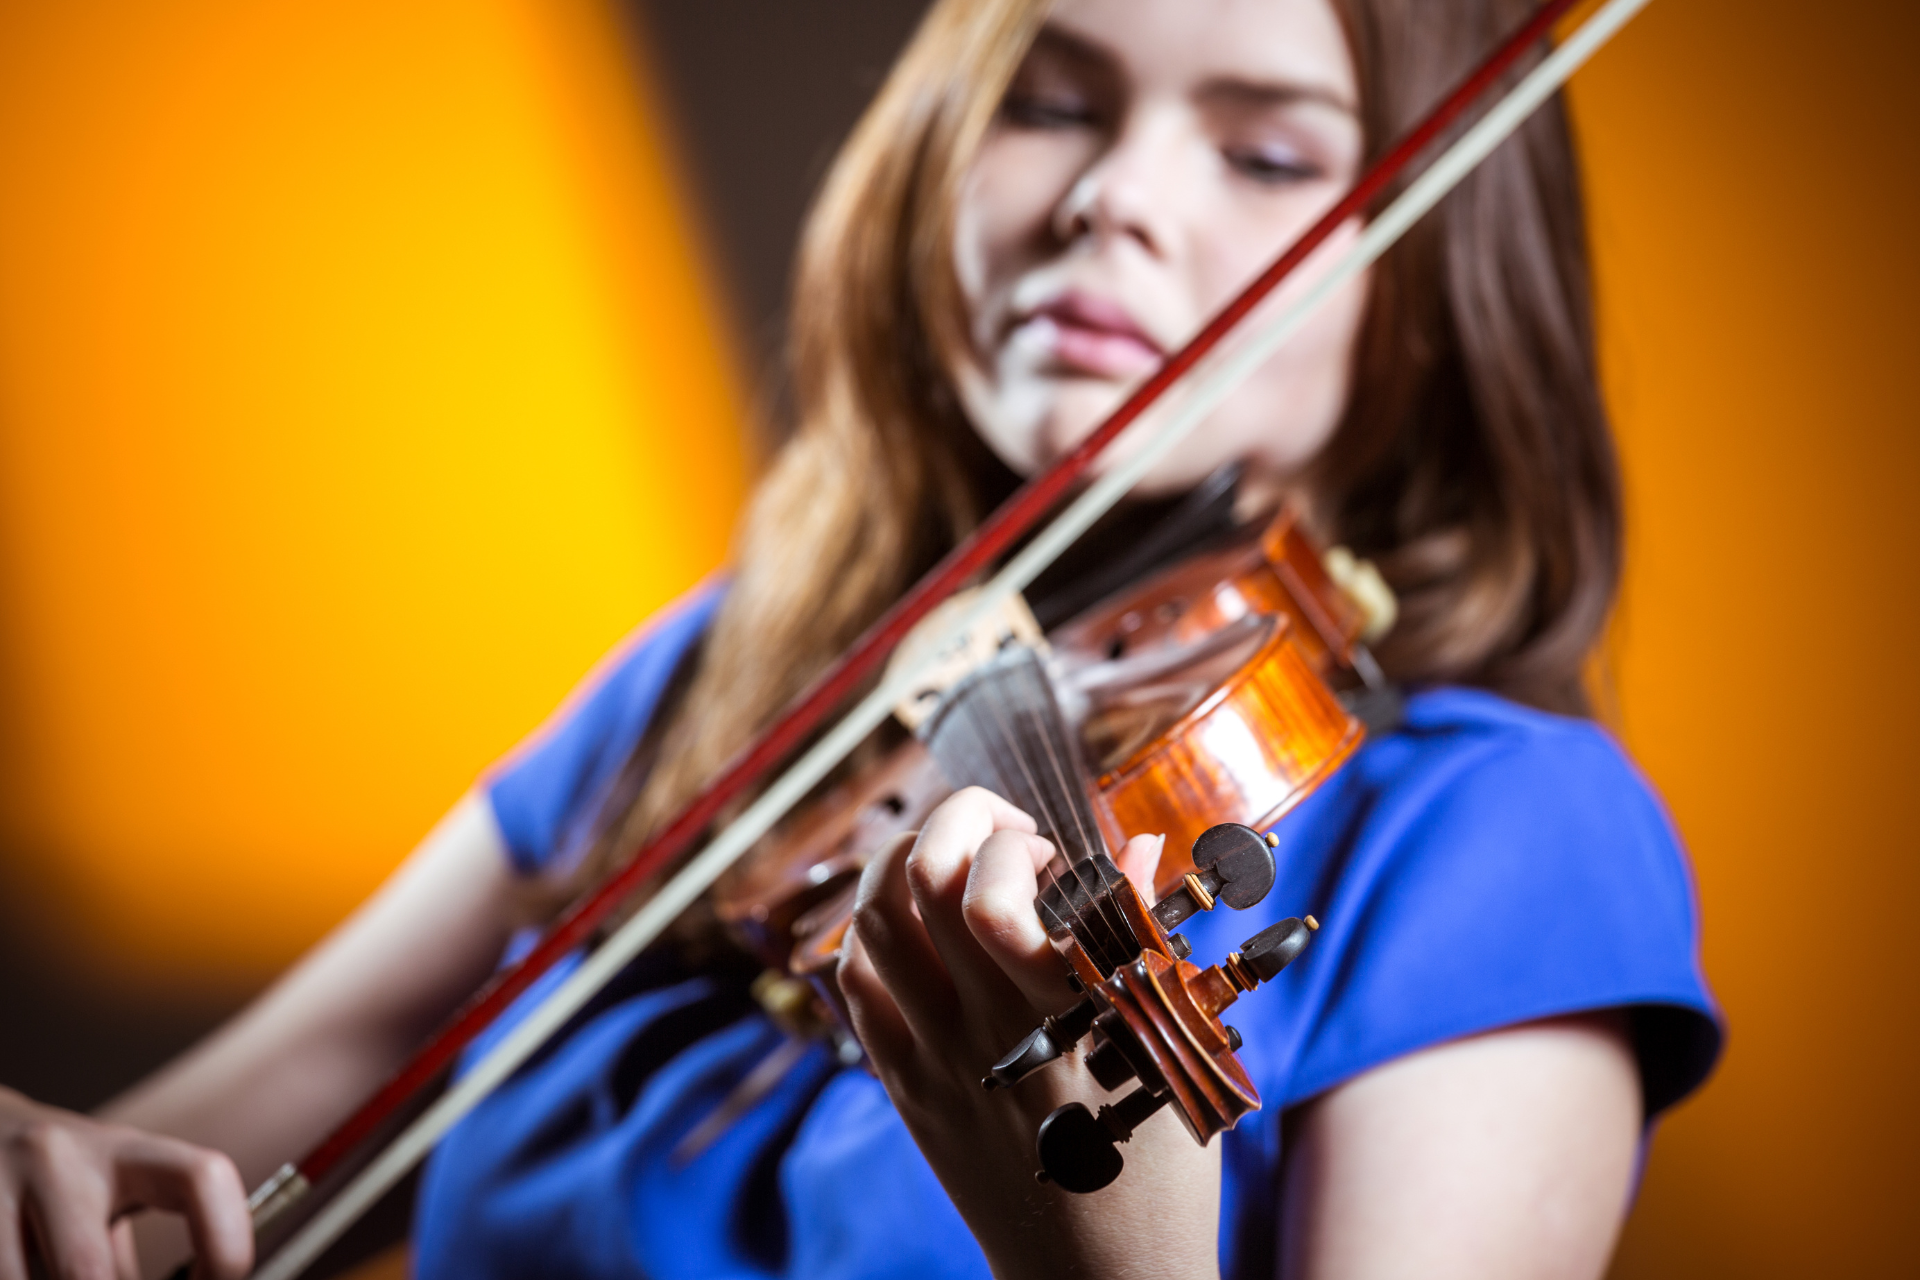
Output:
(1483, 865)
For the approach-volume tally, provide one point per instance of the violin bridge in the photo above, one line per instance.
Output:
(1010, 622)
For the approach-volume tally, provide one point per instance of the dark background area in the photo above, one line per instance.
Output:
(759, 94)
(762, 92)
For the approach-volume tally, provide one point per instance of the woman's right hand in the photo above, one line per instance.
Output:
(67, 1180)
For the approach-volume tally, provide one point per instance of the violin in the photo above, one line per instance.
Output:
(1201, 703)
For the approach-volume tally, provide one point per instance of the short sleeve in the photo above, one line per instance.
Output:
(548, 790)
(1493, 869)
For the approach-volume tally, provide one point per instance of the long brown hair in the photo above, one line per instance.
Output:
(1473, 462)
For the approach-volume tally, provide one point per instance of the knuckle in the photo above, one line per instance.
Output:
(209, 1171)
(858, 984)
(41, 1145)
(991, 914)
(869, 919)
(922, 877)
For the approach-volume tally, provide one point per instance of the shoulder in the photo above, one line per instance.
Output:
(1472, 736)
(1481, 802)
(548, 787)
(1514, 799)
(1484, 865)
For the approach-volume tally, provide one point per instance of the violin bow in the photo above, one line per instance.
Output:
(1224, 371)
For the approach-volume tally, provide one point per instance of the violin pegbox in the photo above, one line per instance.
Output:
(1153, 1017)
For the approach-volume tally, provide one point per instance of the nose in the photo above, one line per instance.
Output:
(1127, 193)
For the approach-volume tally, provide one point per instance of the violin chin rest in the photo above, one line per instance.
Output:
(1077, 1151)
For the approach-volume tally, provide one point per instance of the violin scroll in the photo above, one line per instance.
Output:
(1235, 866)
(1079, 1149)
(1153, 1018)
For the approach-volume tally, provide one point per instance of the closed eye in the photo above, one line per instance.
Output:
(1047, 111)
(1270, 166)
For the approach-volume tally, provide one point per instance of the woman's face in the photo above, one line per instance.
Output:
(1151, 157)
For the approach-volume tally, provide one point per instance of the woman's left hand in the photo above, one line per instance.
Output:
(945, 968)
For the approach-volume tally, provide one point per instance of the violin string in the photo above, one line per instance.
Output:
(1012, 748)
(964, 714)
(1090, 908)
(1050, 732)
(1003, 727)
(1059, 751)
(983, 709)
(1049, 877)
(604, 962)
(1053, 745)
(1037, 749)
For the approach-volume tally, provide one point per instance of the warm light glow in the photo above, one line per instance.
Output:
(1753, 195)
(358, 388)
(1231, 741)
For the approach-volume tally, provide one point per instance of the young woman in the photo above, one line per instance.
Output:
(1043, 201)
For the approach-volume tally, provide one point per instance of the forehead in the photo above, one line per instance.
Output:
(1182, 45)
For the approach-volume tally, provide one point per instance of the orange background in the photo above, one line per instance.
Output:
(1755, 189)
(359, 386)
(358, 390)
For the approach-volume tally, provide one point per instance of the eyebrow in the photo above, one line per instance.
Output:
(1234, 91)
(1243, 92)
(1076, 48)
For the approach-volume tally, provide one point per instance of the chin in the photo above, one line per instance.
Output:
(1077, 408)
(1032, 424)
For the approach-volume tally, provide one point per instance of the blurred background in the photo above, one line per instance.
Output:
(366, 371)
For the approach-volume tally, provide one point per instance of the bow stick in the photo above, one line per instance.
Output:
(1214, 383)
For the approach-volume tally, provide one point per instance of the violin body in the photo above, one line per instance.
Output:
(818, 856)
(1184, 753)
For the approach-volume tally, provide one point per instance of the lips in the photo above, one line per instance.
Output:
(1082, 333)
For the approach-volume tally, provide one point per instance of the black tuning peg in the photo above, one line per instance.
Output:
(1076, 1151)
(1042, 1045)
(1240, 858)
(1080, 1152)
(1272, 949)
(1232, 864)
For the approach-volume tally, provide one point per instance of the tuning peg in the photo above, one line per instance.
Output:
(1262, 957)
(1240, 858)
(1042, 1045)
(1080, 1151)
(1076, 1151)
(1232, 864)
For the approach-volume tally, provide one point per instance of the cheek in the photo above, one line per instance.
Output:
(1295, 404)
(1287, 412)
(1006, 207)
